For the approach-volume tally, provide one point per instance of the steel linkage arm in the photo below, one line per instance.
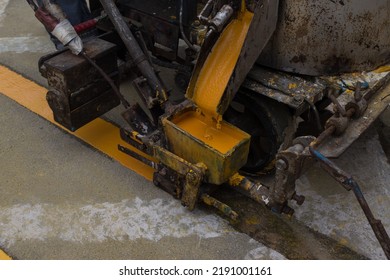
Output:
(344, 178)
(349, 183)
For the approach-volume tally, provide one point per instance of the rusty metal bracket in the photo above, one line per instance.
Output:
(289, 164)
(193, 174)
(374, 98)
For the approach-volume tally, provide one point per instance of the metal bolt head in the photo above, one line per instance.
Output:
(281, 164)
(298, 98)
(300, 199)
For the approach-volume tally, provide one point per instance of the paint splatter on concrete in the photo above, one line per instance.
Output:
(126, 220)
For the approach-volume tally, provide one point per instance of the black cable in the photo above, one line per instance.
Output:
(107, 78)
(183, 35)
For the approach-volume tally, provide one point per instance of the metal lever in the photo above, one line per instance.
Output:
(349, 183)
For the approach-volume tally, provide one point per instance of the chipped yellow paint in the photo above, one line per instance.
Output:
(100, 134)
(292, 86)
(382, 69)
(4, 256)
(344, 241)
(218, 68)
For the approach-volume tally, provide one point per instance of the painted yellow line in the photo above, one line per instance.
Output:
(100, 134)
(4, 256)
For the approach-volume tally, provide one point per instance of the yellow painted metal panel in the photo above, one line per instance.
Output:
(220, 63)
(192, 137)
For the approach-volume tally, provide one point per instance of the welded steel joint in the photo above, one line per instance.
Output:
(288, 169)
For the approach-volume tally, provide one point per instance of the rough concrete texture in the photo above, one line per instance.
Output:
(60, 199)
(63, 200)
(333, 211)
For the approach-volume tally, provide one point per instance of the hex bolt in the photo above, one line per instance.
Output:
(281, 164)
(192, 178)
(300, 199)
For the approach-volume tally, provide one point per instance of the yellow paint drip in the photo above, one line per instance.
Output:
(219, 65)
(223, 140)
(100, 134)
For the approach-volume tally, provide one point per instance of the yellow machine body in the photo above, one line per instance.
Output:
(195, 137)
(201, 136)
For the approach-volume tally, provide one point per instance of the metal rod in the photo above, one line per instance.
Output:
(349, 183)
(256, 191)
(224, 208)
(183, 35)
(134, 49)
(138, 157)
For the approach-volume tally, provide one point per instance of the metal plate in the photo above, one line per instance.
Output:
(325, 37)
(335, 146)
(291, 90)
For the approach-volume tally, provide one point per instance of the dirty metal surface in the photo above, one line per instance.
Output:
(335, 146)
(77, 91)
(69, 73)
(264, 22)
(285, 88)
(328, 37)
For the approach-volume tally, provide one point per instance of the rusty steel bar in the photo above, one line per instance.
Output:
(138, 157)
(256, 191)
(321, 138)
(349, 183)
(224, 208)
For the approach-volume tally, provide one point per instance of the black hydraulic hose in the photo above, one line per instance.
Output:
(134, 49)
(183, 34)
(33, 5)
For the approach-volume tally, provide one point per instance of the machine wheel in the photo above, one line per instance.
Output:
(266, 121)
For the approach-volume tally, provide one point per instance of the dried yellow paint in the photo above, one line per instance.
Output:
(100, 134)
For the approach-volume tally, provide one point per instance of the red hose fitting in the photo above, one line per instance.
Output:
(86, 25)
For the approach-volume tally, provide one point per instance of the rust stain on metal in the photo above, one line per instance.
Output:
(329, 37)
